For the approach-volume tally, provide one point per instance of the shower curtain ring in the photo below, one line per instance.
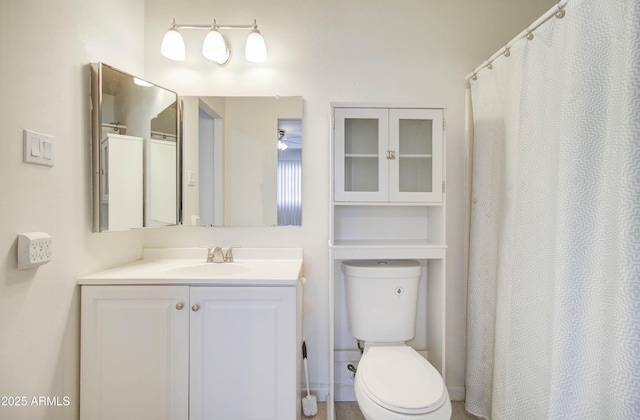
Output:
(474, 77)
(529, 35)
(560, 12)
(490, 65)
(507, 51)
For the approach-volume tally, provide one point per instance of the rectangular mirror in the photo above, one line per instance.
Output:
(136, 152)
(243, 161)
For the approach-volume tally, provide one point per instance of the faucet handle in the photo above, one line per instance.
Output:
(228, 256)
(214, 253)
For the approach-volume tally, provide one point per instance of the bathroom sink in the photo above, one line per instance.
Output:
(252, 266)
(209, 270)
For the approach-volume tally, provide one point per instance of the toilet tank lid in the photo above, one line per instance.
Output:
(381, 268)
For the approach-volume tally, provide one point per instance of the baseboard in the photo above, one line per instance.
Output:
(344, 393)
(456, 392)
(320, 391)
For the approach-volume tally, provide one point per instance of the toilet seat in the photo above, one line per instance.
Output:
(399, 379)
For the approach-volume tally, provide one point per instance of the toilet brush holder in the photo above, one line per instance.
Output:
(309, 402)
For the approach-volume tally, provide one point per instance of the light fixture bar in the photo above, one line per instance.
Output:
(215, 25)
(215, 46)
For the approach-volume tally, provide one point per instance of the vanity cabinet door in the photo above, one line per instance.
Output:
(243, 353)
(135, 352)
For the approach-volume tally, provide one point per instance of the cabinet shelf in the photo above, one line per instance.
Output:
(361, 155)
(378, 204)
(389, 249)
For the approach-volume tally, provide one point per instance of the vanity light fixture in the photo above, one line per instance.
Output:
(215, 46)
(172, 45)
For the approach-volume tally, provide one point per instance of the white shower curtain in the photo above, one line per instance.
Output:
(553, 326)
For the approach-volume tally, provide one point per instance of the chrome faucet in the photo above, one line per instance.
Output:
(228, 256)
(216, 254)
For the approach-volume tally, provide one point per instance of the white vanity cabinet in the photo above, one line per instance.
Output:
(190, 351)
(388, 154)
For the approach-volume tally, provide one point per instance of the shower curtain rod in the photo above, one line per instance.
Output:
(557, 11)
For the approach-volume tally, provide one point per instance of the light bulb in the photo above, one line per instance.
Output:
(172, 46)
(255, 49)
(215, 47)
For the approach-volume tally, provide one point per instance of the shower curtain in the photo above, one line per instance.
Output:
(553, 327)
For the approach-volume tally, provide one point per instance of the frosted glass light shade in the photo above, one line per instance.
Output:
(255, 49)
(172, 46)
(215, 47)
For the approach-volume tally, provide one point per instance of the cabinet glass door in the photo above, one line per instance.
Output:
(360, 154)
(416, 171)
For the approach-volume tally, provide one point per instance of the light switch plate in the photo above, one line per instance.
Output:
(39, 148)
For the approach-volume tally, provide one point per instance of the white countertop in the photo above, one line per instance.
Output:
(188, 266)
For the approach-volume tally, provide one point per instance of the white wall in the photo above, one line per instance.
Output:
(44, 86)
(356, 50)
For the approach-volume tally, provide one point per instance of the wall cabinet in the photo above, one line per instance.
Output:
(388, 202)
(388, 155)
(189, 352)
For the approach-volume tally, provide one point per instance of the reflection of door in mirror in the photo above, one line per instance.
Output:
(210, 165)
(289, 192)
(231, 143)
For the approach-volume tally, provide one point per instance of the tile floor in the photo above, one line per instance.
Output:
(348, 410)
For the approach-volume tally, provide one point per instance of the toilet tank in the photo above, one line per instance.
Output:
(382, 297)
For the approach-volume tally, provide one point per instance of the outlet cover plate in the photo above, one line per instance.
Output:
(34, 249)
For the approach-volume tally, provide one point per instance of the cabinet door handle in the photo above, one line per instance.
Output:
(195, 307)
(391, 154)
(179, 305)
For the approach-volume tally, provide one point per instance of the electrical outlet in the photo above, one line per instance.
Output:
(34, 249)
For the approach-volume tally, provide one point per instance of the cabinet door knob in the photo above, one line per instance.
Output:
(391, 154)
(195, 307)
(179, 305)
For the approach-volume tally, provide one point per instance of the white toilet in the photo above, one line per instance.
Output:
(393, 381)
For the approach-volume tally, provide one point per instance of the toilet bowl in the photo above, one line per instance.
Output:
(394, 382)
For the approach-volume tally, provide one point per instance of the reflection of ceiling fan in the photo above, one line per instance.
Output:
(289, 133)
(283, 139)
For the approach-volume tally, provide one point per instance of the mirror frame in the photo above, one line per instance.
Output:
(96, 107)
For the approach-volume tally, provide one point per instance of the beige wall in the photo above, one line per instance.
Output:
(403, 51)
(357, 50)
(44, 86)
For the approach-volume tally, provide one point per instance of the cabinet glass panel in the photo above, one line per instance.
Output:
(361, 154)
(415, 155)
